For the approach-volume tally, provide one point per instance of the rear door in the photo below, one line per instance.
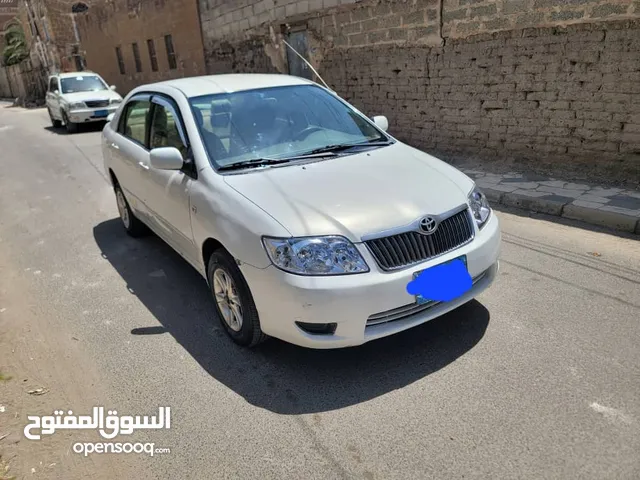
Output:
(129, 152)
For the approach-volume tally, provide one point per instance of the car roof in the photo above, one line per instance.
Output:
(75, 74)
(229, 83)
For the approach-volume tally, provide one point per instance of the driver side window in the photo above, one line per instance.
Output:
(133, 123)
(165, 130)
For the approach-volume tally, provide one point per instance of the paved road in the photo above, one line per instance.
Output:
(539, 378)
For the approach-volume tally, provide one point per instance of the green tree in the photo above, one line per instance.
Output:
(15, 45)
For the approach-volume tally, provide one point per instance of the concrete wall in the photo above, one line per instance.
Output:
(551, 84)
(109, 24)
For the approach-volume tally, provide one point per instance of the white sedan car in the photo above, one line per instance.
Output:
(309, 222)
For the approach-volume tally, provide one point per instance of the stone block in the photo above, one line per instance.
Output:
(597, 216)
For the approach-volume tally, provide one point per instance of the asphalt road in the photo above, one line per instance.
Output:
(538, 378)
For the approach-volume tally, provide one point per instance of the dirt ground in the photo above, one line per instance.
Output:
(41, 370)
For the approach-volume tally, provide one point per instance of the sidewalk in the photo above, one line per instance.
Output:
(614, 208)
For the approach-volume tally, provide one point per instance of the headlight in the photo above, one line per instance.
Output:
(115, 101)
(479, 206)
(77, 106)
(315, 255)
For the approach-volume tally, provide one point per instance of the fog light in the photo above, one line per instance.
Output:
(318, 328)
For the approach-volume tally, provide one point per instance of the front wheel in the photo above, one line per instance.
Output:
(71, 127)
(235, 307)
(56, 123)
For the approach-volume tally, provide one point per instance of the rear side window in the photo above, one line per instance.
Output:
(134, 122)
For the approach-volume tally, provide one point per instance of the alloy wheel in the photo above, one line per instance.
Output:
(227, 299)
(122, 208)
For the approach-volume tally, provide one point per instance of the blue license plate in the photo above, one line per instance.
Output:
(457, 282)
(101, 113)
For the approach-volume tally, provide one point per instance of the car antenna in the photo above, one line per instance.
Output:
(308, 64)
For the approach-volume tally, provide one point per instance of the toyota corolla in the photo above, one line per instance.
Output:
(309, 222)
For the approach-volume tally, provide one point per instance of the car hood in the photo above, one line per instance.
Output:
(355, 195)
(84, 96)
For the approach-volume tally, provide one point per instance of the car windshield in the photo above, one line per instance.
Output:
(82, 83)
(277, 123)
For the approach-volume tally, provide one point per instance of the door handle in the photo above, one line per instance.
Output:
(143, 165)
(113, 145)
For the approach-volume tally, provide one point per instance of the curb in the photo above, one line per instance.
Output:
(613, 220)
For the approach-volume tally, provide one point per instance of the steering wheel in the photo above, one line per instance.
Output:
(302, 134)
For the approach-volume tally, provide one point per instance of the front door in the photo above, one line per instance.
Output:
(53, 97)
(167, 191)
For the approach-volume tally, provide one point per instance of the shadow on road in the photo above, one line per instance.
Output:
(82, 128)
(278, 376)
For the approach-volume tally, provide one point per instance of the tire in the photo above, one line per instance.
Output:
(133, 226)
(71, 127)
(248, 333)
(54, 122)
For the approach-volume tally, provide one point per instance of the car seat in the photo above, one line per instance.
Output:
(212, 142)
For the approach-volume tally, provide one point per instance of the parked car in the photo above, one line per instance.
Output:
(80, 97)
(305, 217)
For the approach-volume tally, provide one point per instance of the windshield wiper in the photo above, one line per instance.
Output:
(254, 162)
(345, 146)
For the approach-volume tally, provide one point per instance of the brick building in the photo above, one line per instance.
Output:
(549, 84)
(131, 42)
(8, 12)
(51, 32)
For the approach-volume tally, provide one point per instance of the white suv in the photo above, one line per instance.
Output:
(80, 97)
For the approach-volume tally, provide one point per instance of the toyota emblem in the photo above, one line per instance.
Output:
(428, 225)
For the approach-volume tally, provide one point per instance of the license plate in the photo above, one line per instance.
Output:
(459, 281)
(101, 113)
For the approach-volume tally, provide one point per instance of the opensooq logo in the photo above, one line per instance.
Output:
(442, 283)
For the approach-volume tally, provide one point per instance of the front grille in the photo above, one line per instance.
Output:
(403, 249)
(97, 103)
(408, 310)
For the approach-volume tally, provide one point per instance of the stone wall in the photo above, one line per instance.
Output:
(462, 18)
(550, 83)
(8, 12)
(560, 100)
(49, 27)
(25, 82)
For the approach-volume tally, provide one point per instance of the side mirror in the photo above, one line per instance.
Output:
(166, 158)
(110, 117)
(113, 87)
(382, 122)
(55, 92)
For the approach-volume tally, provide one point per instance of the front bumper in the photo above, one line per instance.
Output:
(86, 115)
(350, 300)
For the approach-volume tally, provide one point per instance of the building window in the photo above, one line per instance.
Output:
(120, 60)
(152, 55)
(136, 57)
(171, 54)
(79, 7)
